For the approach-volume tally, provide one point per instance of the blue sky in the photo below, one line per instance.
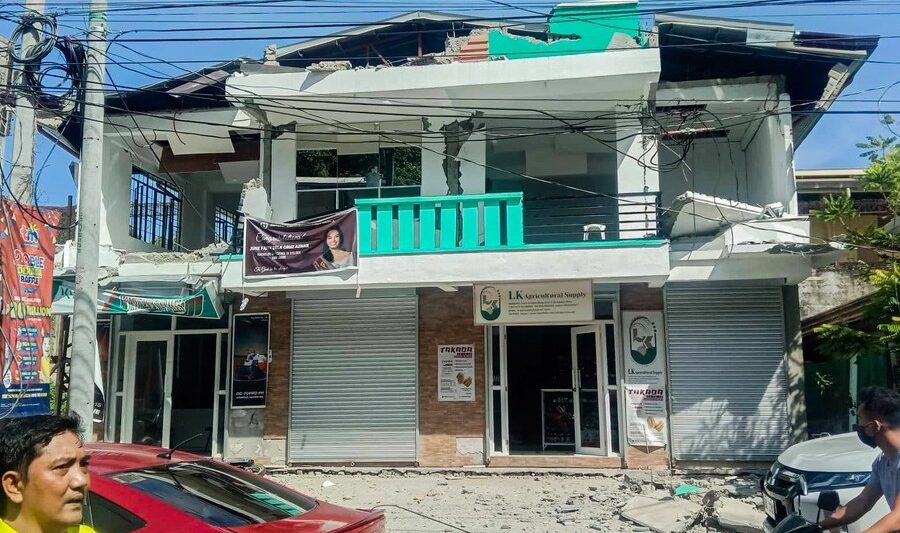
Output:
(832, 143)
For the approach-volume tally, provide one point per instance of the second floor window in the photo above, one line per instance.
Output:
(155, 211)
(229, 228)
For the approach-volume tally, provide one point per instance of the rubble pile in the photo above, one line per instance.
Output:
(614, 502)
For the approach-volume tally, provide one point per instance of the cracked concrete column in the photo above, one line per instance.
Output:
(638, 181)
(453, 141)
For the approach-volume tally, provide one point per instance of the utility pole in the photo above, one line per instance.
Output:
(84, 335)
(21, 174)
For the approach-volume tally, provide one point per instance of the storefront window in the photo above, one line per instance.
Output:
(610, 337)
(495, 356)
(614, 421)
(498, 420)
(202, 323)
(603, 310)
(146, 323)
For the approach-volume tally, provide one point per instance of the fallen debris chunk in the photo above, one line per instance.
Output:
(662, 515)
(734, 515)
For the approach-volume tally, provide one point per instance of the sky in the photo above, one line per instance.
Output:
(875, 89)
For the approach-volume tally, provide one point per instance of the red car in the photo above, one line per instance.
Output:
(138, 489)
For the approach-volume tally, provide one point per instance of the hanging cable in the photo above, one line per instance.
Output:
(35, 54)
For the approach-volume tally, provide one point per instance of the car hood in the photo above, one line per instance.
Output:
(839, 453)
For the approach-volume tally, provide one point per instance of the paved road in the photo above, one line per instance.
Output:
(453, 503)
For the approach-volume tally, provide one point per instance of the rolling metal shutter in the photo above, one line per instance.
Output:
(727, 379)
(354, 380)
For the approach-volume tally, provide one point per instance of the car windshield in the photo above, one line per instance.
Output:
(218, 496)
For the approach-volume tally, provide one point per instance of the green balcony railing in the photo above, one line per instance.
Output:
(440, 224)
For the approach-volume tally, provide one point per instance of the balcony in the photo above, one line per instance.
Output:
(504, 222)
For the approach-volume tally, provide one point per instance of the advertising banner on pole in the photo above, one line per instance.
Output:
(456, 373)
(250, 360)
(27, 248)
(323, 244)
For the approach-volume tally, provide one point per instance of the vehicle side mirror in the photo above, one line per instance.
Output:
(829, 501)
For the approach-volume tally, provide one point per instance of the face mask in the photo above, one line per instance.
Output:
(866, 439)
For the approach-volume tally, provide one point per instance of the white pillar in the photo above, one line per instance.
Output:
(283, 194)
(638, 183)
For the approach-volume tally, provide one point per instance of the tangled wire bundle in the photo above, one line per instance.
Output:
(35, 71)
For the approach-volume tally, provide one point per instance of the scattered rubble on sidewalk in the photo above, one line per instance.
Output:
(480, 500)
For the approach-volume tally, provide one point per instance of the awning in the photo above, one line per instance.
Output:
(199, 300)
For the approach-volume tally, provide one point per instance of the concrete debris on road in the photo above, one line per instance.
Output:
(666, 515)
(734, 515)
(481, 501)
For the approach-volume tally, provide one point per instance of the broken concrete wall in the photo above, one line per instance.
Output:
(574, 29)
(255, 200)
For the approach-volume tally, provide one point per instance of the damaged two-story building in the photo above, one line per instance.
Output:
(603, 217)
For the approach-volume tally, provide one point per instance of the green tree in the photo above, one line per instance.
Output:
(882, 312)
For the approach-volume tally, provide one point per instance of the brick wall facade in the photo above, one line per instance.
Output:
(640, 297)
(448, 431)
(278, 397)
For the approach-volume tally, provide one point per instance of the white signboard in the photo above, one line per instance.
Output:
(644, 347)
(456, 373)
(646, 409)
(563, 302)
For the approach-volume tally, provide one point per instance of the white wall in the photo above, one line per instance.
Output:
(283, 193)
(115, 203)
(770, 161)
(707, 169)
(196, 214)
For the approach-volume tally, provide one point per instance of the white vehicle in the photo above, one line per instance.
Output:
(840, 463)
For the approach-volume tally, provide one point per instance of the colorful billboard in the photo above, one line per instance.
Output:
(27, 248)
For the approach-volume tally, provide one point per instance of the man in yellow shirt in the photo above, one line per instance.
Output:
(43, 475)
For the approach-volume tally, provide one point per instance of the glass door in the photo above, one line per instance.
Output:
(147, 411)
(588, 378)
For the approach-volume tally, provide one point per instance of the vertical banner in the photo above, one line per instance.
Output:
(322, 244)
(250, 360)
(645, 377)
(27, 247)
(456, 373)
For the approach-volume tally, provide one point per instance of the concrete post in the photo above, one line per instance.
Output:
(793, 358)
(84, 338)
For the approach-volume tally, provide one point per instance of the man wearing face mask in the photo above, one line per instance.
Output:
(878, 425)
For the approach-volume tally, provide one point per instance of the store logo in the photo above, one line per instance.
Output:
(30, 233)
(643, 338)
(490, 303)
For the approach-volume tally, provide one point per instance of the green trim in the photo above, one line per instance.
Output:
(362, 202)
(231, 257)
(636, 243)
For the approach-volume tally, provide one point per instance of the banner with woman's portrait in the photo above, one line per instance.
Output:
(326, 243)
